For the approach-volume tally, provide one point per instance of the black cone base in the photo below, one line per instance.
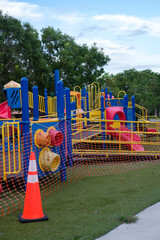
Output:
(23, 220)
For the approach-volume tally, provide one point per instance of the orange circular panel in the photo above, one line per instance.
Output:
(48, 160)
(42, 138)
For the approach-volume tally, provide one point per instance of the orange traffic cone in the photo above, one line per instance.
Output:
(32, 211)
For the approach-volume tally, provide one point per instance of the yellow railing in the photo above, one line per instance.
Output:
(94, 86)
(149, 117)
(143, 111)
(140, 118)
(97, 100)
(30, 99)
(139, 140)
(11, 148)
(52, 103)
(40, 100)
(41, 103)
(94, 95)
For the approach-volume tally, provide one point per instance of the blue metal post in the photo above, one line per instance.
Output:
(103, 123)
(56, 80)
(82, 104)
(106, 92)
(69, 129)
(133, 112)
(83, 92)
(87, 103)
(106, 96)
(83, 95)
(126, 107)
(35, 103)
(133, 108)
(60, 114)
(73, 106)
(46, 102)
(25, 126)
(110, 95)
(82, 107)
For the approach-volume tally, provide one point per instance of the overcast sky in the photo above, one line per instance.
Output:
(127, 30)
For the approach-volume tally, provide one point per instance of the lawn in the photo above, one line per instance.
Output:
(88, 208)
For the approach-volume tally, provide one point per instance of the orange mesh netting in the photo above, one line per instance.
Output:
(86, 148)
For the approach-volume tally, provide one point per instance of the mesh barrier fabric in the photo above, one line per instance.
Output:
(67, 152)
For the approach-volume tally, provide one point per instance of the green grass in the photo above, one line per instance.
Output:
(89, 207)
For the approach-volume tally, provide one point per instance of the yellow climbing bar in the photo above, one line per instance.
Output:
(11, 148)
(121, 92)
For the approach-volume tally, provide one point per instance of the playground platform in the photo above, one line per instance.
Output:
(85, 135)
(145, 228)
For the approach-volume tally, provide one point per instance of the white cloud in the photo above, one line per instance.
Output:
(135, 59)
(108, 17)
(110, 47)
(126, 23)
(21, 9)
(69, 18)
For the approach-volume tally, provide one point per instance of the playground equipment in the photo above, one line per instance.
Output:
(124, 133)
(56, 137)
(87, 126)
(42, 138)
(5, 111)
(48, 160)
(50, 138)
(36, 136)
(55, 133)
(12, 93)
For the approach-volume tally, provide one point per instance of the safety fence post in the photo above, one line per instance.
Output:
(56, 80)
(68, 125)
(133, 112)
(106, 96)
(35, 103)
(87, 106)
(103, 122)
(83, 108)
(126, 107)
(25, 126)
(46, 102)
(60, 114)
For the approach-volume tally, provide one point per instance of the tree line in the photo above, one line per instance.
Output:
(24, 53)
(144, 85)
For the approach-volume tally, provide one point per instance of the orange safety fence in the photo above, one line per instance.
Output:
(99, 148)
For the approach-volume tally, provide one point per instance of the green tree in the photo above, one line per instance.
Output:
(78, 64)
(109, 81)
(21, 53)
(11, 34)
(144, 85)
(35, 65)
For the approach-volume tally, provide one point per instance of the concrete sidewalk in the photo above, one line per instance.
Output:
(147, 227)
